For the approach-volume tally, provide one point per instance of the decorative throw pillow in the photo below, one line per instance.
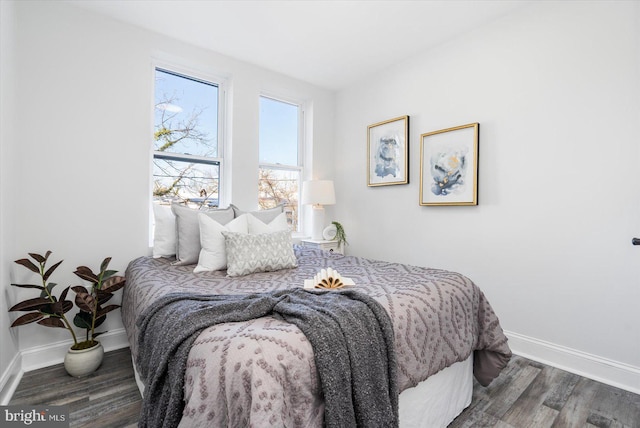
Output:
(164, 232)
(277, 224)
(188, 231)
(265, 216)
(213, 255)
(266, 252)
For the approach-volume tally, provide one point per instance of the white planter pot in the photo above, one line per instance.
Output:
(85, 361)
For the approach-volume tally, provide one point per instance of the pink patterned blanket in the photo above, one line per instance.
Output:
(262, 372)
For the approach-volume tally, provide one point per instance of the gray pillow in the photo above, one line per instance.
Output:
(265, 216)
(188, 230)
(265, 252)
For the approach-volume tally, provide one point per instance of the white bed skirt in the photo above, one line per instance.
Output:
(436, 401)
(433, 403)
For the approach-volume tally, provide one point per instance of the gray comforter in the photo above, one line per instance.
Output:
(351, 336)
(262, 372)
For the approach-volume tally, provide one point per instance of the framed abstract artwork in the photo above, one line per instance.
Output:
(388, 152)
(449, 166)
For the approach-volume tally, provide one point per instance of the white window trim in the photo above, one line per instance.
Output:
(199, 74)
(302, 146)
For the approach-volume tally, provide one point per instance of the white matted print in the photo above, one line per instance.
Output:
(388, 152)
(449, 166)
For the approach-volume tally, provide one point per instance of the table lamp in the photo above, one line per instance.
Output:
(318, 193)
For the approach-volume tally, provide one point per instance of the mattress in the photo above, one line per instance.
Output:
(262, 372)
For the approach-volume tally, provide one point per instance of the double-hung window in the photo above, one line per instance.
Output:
(281, 165)
(187, 156)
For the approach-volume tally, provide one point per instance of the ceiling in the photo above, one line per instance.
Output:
(328, 43)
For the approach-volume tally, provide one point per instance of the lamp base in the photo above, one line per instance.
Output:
(317, 221)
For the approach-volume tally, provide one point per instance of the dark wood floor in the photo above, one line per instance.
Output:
(526, 395)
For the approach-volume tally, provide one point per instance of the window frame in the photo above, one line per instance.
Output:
(197, 75)
(300, 167)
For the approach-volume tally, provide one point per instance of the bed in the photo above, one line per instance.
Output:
(261, 372)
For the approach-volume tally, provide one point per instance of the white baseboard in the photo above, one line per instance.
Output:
(620, 375)
(10, 379)
(53, 353)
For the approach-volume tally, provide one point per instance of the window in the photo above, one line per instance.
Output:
(187, 150)
(280, 157)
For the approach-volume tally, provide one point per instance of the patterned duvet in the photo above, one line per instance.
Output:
(262, 372)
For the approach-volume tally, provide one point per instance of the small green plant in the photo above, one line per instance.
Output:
(90, 302)
(341, 236)
(46, 310)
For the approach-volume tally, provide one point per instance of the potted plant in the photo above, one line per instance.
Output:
(46, 310)
(341, 236)
(85, 356)
(90, 302)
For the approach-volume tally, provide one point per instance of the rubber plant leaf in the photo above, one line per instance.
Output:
(60, 308)
(27, 318)
(39, 287)
(86, 274)
(31, 304)
(103, 296)
(80, 289)
(99, 322)
(49, 271)
(86, 302)
(105, 264)
(113, 284)
(38, 257)
(52, 322)
(29, 265)
(63, 296)
(108, 274)
(104, 311)
(82, 320)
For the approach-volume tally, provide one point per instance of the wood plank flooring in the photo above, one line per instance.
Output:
(107, 398)
(526, 395)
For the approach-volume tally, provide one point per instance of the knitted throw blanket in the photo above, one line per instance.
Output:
(351, 336)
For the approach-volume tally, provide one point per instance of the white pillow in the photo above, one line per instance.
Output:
(164, 234)
(188, 231)
(276, 225)
(213, 255)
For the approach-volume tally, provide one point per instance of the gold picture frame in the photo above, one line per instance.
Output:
(449, 166)
(388, 152)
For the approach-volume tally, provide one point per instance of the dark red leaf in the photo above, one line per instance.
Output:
(86, 274)
(49, 271)
(63, 296)
(104, 311)
(27, 318)
(52, 322)
(105, 264)
(60, 308)
(30, 305)
(39, 287)
(79, 289)
(103, 297)
(113, 284)
(86, 302)
(29, 265)
(38, 257)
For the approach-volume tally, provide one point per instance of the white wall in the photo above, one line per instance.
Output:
(9, 357)
(82, 154)
(555, 88)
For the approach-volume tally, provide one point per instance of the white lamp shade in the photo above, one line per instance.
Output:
(318, 192)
